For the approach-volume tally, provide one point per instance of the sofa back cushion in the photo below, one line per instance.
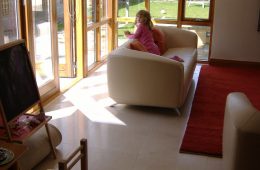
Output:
(159, 40)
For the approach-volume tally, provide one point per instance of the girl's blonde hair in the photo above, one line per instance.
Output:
(145, 15)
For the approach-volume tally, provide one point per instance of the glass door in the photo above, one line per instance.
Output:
(42, 43)
(197, 15)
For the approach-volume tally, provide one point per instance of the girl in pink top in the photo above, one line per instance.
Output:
(144, 32)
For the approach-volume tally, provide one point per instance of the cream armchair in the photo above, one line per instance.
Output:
(142, 78)
(241, 134)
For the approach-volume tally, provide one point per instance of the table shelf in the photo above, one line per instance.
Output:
(23, 127)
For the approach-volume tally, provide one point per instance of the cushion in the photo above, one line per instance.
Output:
(159, 40)
(136, 45)
(177, 58)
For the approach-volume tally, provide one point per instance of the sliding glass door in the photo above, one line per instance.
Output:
(42, 43)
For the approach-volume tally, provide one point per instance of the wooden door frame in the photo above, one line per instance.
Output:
(67, 69)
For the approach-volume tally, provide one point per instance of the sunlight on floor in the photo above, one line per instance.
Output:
(63, 112)
(91, 99)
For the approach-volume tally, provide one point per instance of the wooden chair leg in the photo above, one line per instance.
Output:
(81, 153)
(84, 152)
(50, 141)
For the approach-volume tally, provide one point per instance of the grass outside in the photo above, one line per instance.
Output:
(164, 9)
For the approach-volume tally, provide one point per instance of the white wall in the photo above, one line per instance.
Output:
(235, 35)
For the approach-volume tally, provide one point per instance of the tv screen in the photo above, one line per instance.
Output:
(18, 88)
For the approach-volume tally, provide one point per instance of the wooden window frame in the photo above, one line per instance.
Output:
(97, 26)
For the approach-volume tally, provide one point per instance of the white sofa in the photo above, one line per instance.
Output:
(241, 134)
(142, 78)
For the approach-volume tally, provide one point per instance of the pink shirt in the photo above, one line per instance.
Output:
(145, 36)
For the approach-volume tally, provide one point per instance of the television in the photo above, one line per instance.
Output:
(18, 87)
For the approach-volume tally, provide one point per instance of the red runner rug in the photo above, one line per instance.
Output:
(203, 134)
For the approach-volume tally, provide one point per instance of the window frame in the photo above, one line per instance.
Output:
(181, 20)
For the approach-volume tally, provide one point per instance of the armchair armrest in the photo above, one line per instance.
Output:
(244, 115)
(241, 133)
(178, 38)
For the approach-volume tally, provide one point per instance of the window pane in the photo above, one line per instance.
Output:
(164, 9)
(129, 8)
(9, 29)
(42, 41)
(197, 9)
(203, 33)
(91, 8)
(103, 9)
(124, 26)
(104, 41)
(91, 47)
(61, 35)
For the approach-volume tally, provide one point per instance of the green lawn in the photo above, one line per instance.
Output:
(170, 7)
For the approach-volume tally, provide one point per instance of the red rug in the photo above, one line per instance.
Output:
(204, 129)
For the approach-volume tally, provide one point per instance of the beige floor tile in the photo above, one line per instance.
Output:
(191, 162)
(155, 162)
(122, 137)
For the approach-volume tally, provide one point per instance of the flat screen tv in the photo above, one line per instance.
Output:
(18, 87)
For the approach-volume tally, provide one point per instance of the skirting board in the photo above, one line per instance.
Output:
(233, 62)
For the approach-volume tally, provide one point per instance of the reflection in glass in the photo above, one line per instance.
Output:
(9, 25)
(42, 41)
(162, 9)
(129, 8)
(203, 33)
(197, 9)
(91, 47)
(104, 41)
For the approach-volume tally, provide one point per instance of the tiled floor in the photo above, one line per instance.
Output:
(122, 137)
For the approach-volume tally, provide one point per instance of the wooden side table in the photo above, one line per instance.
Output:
(17, 149)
